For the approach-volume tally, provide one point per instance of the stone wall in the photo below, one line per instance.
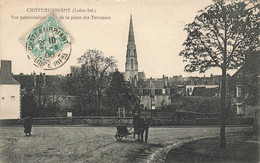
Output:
(114, 121)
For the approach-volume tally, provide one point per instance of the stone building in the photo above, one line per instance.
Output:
(245, 85)
(158, 88)
(156, 94)
(131, 65)
(9, 92)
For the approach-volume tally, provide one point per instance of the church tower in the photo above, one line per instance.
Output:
(131, 65)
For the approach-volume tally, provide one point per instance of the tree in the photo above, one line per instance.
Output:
(219, 37)
(47, 94)
(41, 94)
(118, 91)
(28, 104)
(79, 84)
(96, 67)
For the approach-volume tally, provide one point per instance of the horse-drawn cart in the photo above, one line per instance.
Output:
(122, 131)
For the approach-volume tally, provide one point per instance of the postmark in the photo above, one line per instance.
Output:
(48, 43)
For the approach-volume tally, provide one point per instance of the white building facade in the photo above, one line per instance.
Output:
(9, 93)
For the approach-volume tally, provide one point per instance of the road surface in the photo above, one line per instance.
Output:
(95, 144)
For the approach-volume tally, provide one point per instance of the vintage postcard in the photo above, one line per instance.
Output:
(129, 81)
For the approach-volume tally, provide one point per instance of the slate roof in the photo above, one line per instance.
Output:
(141, 76)
(155, 84)
(203, 91)
(9, 82)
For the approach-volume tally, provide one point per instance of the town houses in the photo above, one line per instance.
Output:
(51, 91)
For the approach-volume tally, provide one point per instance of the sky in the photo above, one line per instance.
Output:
(158, 30)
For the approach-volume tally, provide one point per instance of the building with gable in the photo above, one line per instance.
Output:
(244, 85)
(156, 93)
(10, 92)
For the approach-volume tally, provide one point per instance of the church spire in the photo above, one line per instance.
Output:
(131, 38)
(131, 48)
(131, 65)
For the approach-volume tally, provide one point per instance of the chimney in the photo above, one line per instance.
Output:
(166, 81)
(34, 79)
(6, 72)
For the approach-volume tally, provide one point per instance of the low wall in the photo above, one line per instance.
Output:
(83, 120)
(113, 121)
(233, 121)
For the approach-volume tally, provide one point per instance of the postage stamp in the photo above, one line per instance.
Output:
(48, 43)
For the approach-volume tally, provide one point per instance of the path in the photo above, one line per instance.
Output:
(94, 144)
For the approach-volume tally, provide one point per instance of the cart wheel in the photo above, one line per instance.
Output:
(118, 137)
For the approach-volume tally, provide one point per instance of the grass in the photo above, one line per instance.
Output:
(241, 148)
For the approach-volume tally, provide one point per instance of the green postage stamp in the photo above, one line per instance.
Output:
(49, 43)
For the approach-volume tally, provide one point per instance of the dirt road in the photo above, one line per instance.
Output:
(94, 144)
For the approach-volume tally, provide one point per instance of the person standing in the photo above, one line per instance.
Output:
(146, 127)
(142, 128)
(28, 126)
(136, 123)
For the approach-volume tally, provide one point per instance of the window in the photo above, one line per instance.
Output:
(239, 91)
(12, 98)
(163, 91)
(189, 91)
(132, 64)
(69, 114)
(240, 109)
(158, 91)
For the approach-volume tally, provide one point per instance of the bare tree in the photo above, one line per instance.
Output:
(220, 36)
(97, 67)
